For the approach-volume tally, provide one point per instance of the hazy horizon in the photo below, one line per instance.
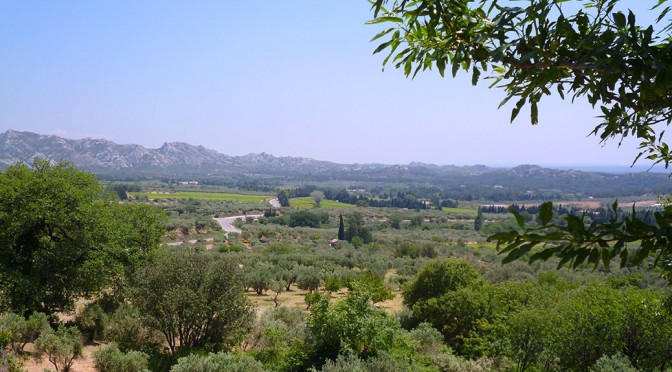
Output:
(607, 168)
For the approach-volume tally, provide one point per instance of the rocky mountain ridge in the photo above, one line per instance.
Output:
(92, 153)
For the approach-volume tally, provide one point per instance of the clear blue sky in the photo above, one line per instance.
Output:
(289, 78)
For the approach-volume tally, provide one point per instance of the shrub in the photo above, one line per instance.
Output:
(126, 330)
(91, 321)
(193, 298)
(229, 362)
(304, 219)
(111, 359)
(8, 360)
(22, 331)
(614, 363)
(61, 347)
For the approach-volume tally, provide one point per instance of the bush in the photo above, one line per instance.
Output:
(231, 248)
(61, 347)
(8, 360)
(614, 363)
(218, 362)
(91, 321)
(439, 277)
(304, 219)
(194, 298)
(22, 331)
(111, 359)
(126, 330)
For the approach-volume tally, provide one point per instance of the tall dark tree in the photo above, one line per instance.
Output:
(341, 228)
(356, 228)
(478, 222)
(283, 198)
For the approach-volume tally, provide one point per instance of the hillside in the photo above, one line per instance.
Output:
(178, 160)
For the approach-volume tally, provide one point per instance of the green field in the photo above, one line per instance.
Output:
(308, 202)
(242, 198)
(460, 210)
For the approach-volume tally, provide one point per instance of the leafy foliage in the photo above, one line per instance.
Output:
(61, 347)
(111, 359)
(439, 277)
(218, 362)
(126, 329)
(575, 242)
(597, 52)
(59, 240)
(22, 331)
(351, 325)
(193, 298)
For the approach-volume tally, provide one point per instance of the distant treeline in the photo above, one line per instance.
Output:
(378, 198)
(601, 214)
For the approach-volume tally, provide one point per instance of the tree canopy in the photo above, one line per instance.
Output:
(534, 48)
(592, 50)
(60, 240)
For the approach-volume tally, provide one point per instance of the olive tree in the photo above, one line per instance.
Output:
(193, 298)
(61, 347)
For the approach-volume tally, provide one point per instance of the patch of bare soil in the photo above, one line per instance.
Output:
(296, 299)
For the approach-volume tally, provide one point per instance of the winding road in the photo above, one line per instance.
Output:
(227, 222)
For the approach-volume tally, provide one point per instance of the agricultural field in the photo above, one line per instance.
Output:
(241, 198)
(308, 202)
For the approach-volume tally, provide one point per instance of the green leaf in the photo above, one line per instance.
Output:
(534, 113)
(516, 254)
(542, 255)
(382, 47)
(619, 19)
(441, 66)
(519, 218)
(385, 19)
(476, 74)
(624, 258)
(507, 236)
(381, 34)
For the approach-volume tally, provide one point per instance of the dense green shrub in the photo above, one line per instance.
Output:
(439, 277)
(126, 329)
(92, 321)
(218, 362)
(193, 298)
(111, 359)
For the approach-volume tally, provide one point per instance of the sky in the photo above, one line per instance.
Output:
(288, 78)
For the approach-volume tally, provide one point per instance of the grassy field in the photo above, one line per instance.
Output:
(308, 202)
(242, 198)
(460, 210)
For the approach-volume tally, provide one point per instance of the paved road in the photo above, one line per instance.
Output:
(227, 222)
(275, 203)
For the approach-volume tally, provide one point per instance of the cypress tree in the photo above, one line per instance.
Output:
(341, 228)
(478, 222)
